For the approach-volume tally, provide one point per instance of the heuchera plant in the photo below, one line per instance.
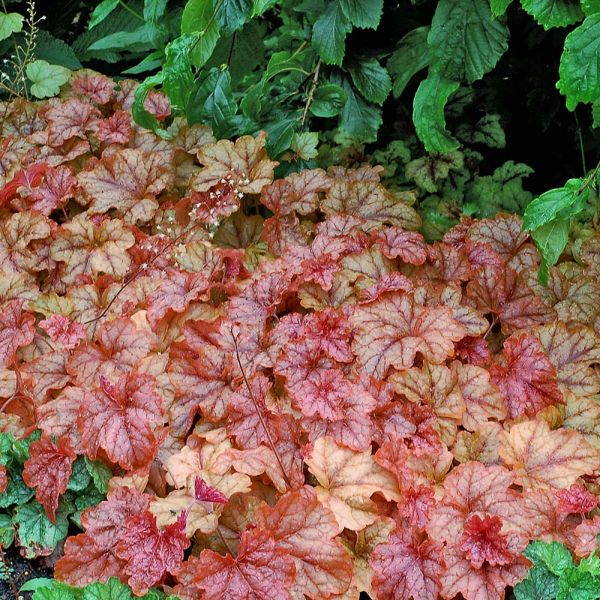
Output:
(297, 397)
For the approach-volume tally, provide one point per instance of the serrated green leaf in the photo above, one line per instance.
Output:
(7, 531)
(371, 79)
(499, 7)
(591, 564)
(590, 7)
(57, 591)
(305, 144)
(358, 120)
(539, 584)
(548, 205)
(575, 584)
(232, 14)
(553, 13)
(428, 113)
(178, 78)
(329, 34)
(410, 57)
(328, 100)
(579, 68)
(428, 170)
(46, 79)
(487, 131)
(198, 18)
(551, 240)
(55, 51)
(16, 492)
(113, 589)
(10, 23)
(80, 476)
(154, 9)
(465, 41)
(363, 13)
(102, 11)
(36, 532)
(100, 474)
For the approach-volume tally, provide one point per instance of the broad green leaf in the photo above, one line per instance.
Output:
(551, 240)
(140, 115)
(305, 144)
(45, 78)
(261, 6)
(113, 589)
(154, 9)
(371, 79)
(80, 476)
(552, 555)
(591, 564)
(36, 531)
(199, 18)
(553, 13)
(487, 131)
(328, 100)
(579, 68)
(144, 37)
(100, 473)
(363, 13)
(178, 78)
(55, 51)
(410, 57)
(428, 113)
(427, 171)
(7, 531)
(548, 205)
(539, 584)
(590, 7)
(16, 492)
(329, 34)
(35, 584)
(499, 7)
(280, 134)
(283, 61)
(56, 591)
(102, 11)
(232, 14)
(465, 41)
(10, 23)
(576, 584)
(358, 120)
(150, 62)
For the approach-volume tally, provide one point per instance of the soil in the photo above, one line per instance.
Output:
(22, 570)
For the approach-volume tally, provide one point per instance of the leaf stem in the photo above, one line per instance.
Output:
(311, 93)
(258, 411)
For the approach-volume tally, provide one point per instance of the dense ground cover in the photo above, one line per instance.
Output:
(221, 385)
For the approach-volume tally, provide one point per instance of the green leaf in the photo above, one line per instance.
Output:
(142, 38)
(363, 13)
(551, 240)
(428, 113)
(10, 23)
(305, 144)
(465, 41)
(358, 120)
(261, 6)
(113, 589)
(152, 61)
(7, 531)
(198, 18)
(371, 79)
(55, 51)
(232, 14)
(45, 78)
(590, 7)
(100, 474)
(16, 492)
(80, 476)
(35, 584)
(591, 564)
(410, 57)
(499, 7)
(280, 134)
(57, 591)
(140, 115)
(328, 100)
(576, 584)
(539, 584)
(329, 34)
(178, 78)
(579, 68)
(154, 9)
(428, 170)
(547, 206)
(553, 13)
(487, 131)
(102, 11)
(36, 531)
